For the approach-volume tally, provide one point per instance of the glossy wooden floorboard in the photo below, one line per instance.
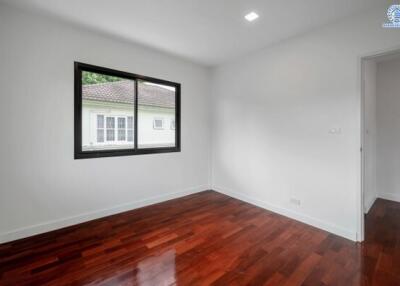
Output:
(206, 239)
(381, 249)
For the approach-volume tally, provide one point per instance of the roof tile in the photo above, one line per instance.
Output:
(124, 92)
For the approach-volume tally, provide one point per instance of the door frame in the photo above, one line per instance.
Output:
(361, 202)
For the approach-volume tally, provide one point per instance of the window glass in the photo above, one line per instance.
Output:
(119, 113)
(130, 129)
(121, 129)
(100, 128)
(110, 128)
(156, 105)
(158, 124)
(107, 102)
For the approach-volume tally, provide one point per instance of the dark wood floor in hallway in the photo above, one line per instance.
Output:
(206, 239)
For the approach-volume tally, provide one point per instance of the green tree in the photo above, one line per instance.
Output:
(93, 78)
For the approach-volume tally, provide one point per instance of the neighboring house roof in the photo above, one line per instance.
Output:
(123, 92)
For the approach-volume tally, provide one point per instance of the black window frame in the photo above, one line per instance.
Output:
(80, 154)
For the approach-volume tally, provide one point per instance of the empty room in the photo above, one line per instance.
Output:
(198, 142)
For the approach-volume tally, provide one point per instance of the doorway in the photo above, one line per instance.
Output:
(380, 137)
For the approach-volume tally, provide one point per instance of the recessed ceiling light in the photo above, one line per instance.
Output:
(251, 16)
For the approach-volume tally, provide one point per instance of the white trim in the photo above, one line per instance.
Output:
(390, 197)
(73, 220)
(368, 205)
(327, 226)
(360, 205)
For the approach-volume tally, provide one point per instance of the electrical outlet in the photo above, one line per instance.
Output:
(296, 202)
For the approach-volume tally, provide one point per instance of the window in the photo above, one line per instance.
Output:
(121, 128)
(100, 128)
(153, 113)
(124, 132)
(130, 129)
(110, 129)
(158, 123)
(119, 113)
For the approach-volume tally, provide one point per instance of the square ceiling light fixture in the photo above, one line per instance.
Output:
(251, 16)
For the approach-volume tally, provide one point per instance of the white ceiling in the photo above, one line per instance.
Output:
(209, 32)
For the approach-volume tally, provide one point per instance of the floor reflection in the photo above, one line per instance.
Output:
(157, 270)
(208, 239)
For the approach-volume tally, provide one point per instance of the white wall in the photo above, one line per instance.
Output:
(370, 133)
(286, 126)
(41, 186)
(388, 126)
(272, 116)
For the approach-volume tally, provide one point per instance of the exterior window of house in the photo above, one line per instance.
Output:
(119, 113)
(123, 132)
(110, 128)
(130, 129)
(100, 128)
(158, 123)
(121, 128)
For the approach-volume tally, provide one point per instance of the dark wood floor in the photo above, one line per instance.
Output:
(381, 249)
(206, 239)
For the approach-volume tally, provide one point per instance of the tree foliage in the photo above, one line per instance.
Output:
(93, 78)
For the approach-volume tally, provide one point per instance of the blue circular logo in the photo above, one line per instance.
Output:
(393, 14)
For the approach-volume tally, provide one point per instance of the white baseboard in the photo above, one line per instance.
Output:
(69, 221)
(390, 197)
(329, 227)
(368, 204)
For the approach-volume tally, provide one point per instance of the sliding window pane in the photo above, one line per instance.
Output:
(108, 104)
(156, 115)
